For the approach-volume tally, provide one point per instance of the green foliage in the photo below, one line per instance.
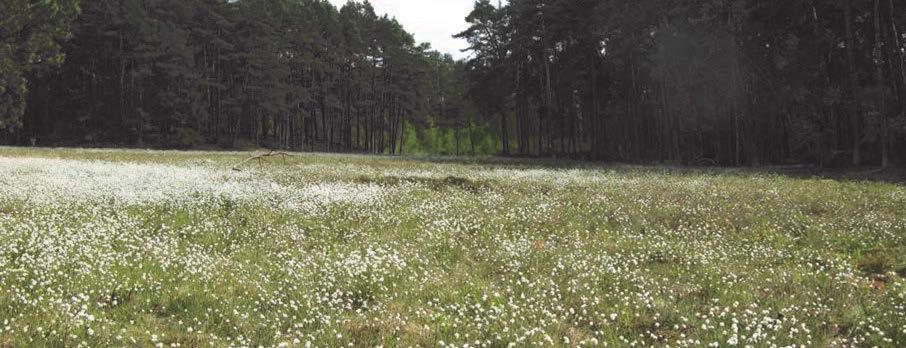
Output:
(292, 74)
(694, 82)
(698, 82)
(31, 33)
(474, 140)
(412, 143)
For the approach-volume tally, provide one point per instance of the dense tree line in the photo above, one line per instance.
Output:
(728, 82)
(30, 36)
(293, 74)
(731, 82)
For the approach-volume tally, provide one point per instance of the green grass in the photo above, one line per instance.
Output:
(140, 248)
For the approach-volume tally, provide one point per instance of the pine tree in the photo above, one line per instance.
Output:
(31, 34)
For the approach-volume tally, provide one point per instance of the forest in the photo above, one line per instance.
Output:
(692, 82)
(289, 74)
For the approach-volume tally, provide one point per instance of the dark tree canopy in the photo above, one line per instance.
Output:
(731, 82)
(30, 36)
(293, 74)
(701, 82)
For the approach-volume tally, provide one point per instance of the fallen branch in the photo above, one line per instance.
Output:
(259, 157)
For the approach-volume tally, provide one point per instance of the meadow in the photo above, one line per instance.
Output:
(176, 249)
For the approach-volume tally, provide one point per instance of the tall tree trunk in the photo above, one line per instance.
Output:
(458, 126)
(854, 100)
(403, 135)
(896, 62)
(504, 134)
(665, 118)
(896, 48)
(122, 91)
(549, 101)
(541, 119)
(597, 129)
(877, 55)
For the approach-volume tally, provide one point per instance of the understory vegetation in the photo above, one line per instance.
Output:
(144, 248)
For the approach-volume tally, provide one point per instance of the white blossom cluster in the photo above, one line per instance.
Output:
(55, 181)
(355, 251)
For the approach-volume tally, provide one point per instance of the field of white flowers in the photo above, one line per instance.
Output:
(141, 248)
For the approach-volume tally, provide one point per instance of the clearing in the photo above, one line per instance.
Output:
(148, 248)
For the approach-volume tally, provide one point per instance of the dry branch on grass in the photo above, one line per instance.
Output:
(259, 157)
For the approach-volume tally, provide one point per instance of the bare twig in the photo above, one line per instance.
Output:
(259, 157)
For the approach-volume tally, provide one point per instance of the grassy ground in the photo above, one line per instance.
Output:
(139, 248)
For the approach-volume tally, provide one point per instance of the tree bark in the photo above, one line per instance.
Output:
(855, 108)
(877, 55)
(504, 134)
